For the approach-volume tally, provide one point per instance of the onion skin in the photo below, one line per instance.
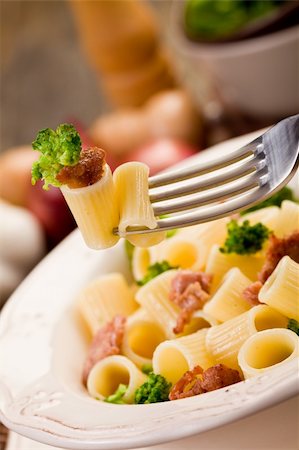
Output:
(15, 174)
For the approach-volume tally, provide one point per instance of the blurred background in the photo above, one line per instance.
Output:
(155, 81)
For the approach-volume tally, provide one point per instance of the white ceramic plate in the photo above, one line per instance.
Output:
(42, 352)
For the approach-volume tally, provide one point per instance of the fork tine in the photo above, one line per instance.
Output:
(204, 214)
(215, 164)
(217, 179)
(207, 197)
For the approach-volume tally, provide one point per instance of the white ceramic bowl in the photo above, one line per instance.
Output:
(42, 352)
(259, 76)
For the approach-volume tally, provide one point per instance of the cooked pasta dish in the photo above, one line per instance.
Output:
(210, 305)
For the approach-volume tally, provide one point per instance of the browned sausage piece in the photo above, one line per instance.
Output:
(189, 290)
(106, 342)
(87, 171)
(251, 293)
(278, 248)
(198, 381)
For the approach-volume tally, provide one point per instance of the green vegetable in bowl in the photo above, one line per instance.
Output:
(154, 270)
(117, 397)
(219, 19)
(155, 389)
(58, 149)
(276, 200)
(245, 239)
(293, 325)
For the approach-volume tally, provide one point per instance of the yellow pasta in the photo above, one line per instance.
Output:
(154, 298)
(228, 302)
(281, 290)
(106, 375)
(140, 262)
(174, 357)
(142, 335)
(267, 349)
(206, 235)
(95, 210)
(224, 341)
(267, 216)
(200, 319)
(288, 220)
(131, 185)
(179, 251)
(219, 263)
(104, 298)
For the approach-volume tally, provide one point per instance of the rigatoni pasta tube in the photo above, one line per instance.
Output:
(183, 252)
(267, 349)
(106, 375)
(154, 297)
(227, 302)
(206, 235)
(104, 298)
(225, 340)
(267, 216)
(288, 220)
(174, 357)
(95, 210)
(141, 337)
(140, 262)
(200, 319)
(219, 263)
(281, 290)
(131, 184)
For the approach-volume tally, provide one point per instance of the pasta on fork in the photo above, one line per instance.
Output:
(98, 201)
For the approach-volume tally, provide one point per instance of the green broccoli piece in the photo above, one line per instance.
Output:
(276, 200)
(129, 249)
(244, 239)
(293, 325)
(155, 389)
(169, 233)
(58, 149)
(147, 368)
(154, 270)
(117, 397)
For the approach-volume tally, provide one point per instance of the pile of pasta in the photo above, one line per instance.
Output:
(227, 330)
(115, 201)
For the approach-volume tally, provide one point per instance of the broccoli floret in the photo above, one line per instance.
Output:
(58, 149)
(129, 249)
(293, 325)
(117, 397)
(155, 389)
(169, 233)
(276, 200)
(147, 368)
(244, 239)
(154, 270)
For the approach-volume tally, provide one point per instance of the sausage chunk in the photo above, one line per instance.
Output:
(106, 342)
(198, 381)
(251, 293)
(278, 248)
(190, 291)
(87, 171)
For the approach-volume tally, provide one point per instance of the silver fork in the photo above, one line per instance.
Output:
(226, 185)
